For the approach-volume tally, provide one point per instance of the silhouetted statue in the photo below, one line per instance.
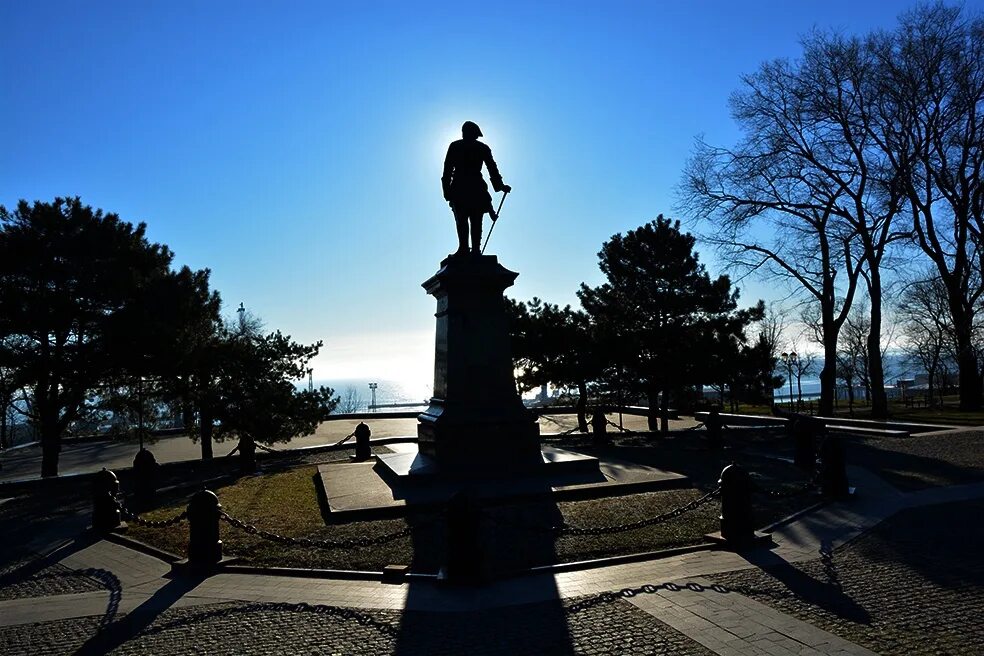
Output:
(465, 188)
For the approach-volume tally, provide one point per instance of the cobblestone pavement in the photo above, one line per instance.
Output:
(913, 585)
(256, 628)
(56, 579)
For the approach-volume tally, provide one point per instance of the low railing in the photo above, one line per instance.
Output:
(463, 516)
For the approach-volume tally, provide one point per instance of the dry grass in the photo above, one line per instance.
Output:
(286, 503)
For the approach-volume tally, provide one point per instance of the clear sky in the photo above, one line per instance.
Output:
(295, 148)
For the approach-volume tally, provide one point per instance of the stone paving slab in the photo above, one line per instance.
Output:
(128, 566)
(728, 623)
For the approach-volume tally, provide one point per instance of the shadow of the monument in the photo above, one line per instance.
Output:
(450, 617)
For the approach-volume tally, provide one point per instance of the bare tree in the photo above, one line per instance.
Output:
(854, 355)
(776, 199)
(350, 401)
(928, 330)
(930, 128)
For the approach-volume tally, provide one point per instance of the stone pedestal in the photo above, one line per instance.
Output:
(476, 420)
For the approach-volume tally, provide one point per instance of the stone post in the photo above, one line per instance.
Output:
(833, 468)
(105, 507)
(713, 424)
(247, 455)
(362, 448)
(737, 522)
(599, 428)
(145, 478)
(204, 545)
(804, 444)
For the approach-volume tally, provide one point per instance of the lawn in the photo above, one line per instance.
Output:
(285, 502)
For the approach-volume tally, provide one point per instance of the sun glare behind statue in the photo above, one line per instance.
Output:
(448, 129)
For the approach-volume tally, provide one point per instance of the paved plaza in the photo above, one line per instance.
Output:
(861, 577)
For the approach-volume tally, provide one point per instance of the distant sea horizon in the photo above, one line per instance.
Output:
(355, 395)
(355, 392)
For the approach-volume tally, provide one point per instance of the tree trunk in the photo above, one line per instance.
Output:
(876, 372)
(652, 417)
(4, 439)
(50, 448)
(582, 406)
(664, 421)
(207, 426)
(828, 375)
(970, 380)
(968, 375)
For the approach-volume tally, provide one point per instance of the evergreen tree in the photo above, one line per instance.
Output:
(674, 324)
(70, 279)
(554, 345)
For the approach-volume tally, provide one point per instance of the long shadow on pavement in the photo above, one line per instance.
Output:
(826, 594)
(449, 618)
(117, 633)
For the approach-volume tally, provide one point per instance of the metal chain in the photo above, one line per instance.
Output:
(567, 529)
(309, 542)
(131, 516)
(652, 521)
(620, 428)
(344, 439)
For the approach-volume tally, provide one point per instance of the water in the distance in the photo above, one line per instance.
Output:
(356, 396)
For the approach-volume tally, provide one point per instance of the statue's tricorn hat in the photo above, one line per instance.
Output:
(469, 129)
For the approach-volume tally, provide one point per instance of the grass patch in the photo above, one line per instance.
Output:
(285, 502)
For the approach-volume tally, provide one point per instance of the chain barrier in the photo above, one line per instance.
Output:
(652, 521)
(268, 449)
(567, 529)
(320, 544)
(131, 516)
(344, 439)
(620, 428)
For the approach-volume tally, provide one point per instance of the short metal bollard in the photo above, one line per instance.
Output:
(362, 448)
(737, 523)
(145, 478)
(105, 508)
(714, 424)
(247, 455)
(599, 428)
(804, 444)
(464, 557)
(833, 469)
(204, 545)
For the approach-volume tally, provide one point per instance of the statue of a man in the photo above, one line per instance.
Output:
(465, 188)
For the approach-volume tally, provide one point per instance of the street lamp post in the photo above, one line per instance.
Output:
(789, 359)
(372, 390)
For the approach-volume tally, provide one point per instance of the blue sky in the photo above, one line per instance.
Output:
(295, 148)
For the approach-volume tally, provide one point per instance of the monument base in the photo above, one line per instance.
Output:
(403, 482)
(416, 467)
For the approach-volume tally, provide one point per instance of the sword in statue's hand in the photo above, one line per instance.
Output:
(495, 217)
